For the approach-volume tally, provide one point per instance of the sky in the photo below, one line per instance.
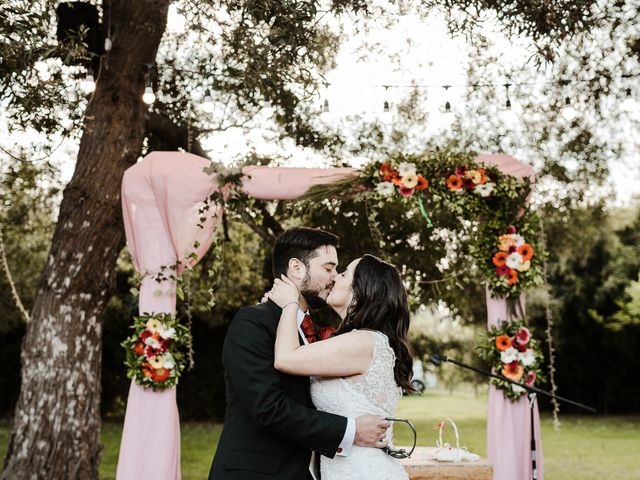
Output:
(413, 50)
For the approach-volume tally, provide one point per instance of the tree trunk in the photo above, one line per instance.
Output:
(56, 431)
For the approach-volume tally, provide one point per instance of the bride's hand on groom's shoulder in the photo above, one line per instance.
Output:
(283, 292)
(371, 431)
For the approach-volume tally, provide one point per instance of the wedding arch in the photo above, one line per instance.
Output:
(173, 203)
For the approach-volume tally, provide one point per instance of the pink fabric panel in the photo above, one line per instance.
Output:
(160, 196)
(508, 165)
(509, 423)
(268, 183)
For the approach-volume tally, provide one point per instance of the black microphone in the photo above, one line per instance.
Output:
(437, 359)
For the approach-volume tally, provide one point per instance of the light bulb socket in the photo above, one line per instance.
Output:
(385, 106)
(447, 106)
(325, 106)
(567, 101)
(508, 104)
(628, 91)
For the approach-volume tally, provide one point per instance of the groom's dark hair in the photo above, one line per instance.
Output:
(300, 243)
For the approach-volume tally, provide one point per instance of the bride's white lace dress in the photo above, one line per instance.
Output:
(375, 393)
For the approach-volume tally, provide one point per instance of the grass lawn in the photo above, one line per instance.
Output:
(585, 448)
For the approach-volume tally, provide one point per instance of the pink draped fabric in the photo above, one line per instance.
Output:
(288, 183)
(160, 200)
(509, 423)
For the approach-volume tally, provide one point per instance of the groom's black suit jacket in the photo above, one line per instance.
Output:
(270, 424)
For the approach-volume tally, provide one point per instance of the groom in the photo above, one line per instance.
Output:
(271, 427)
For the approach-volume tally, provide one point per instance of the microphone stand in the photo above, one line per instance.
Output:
(437, 360)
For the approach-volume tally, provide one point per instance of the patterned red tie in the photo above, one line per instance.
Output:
(308, 329)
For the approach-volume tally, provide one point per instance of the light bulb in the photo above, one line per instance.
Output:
(568, 112)
(207, 102)
(267, 108)
(88, 85)
(148, 97)
(107, 44)
(629, 104)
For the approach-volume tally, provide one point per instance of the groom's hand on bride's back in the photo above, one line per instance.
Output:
(371, 431)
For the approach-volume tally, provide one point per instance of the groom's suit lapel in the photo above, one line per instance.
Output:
(277, 311)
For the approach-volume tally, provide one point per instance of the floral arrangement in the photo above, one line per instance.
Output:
(155, 351)
(512, 352)
(404, 179)
(513, 257)
(470, 180)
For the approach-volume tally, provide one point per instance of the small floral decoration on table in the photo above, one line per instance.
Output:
(512, 352)
(155, 352)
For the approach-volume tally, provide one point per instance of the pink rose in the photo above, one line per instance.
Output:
(523, 336)
(406, 192)
(531, 377)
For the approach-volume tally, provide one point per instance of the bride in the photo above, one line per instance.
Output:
(363, 368)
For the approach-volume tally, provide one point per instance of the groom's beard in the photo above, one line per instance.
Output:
(312, 298)
(311, 293)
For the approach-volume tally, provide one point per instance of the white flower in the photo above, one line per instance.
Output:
(517, 239)
(509, 355)
(527, 357)
(385, 188)
(485, 189)
(153, 325)
(156, 362)
(514, 260)
(168, 361)
(152, 342)
(166, 332)
(517, 388)
(406, 168)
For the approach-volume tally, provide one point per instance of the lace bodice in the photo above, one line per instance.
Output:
(374, 392)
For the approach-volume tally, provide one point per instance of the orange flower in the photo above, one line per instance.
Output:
(423, 183)
(454, 182)
(513, 372)
(160, 374)
(505, 242)
(526, 251)
(387, 172)
(146, 369)
(139, 348)
(500, 259)
(503, 342)
(484, 177)
(397, 181)
(512, 277)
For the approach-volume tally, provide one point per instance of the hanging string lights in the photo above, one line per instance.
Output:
(88, 85)
(447, 104)
(507, 104)
(629, 102)
(149, 95)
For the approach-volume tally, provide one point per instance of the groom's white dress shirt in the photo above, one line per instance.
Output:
(350, 432)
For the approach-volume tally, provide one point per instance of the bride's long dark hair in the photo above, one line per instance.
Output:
(380, 303)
